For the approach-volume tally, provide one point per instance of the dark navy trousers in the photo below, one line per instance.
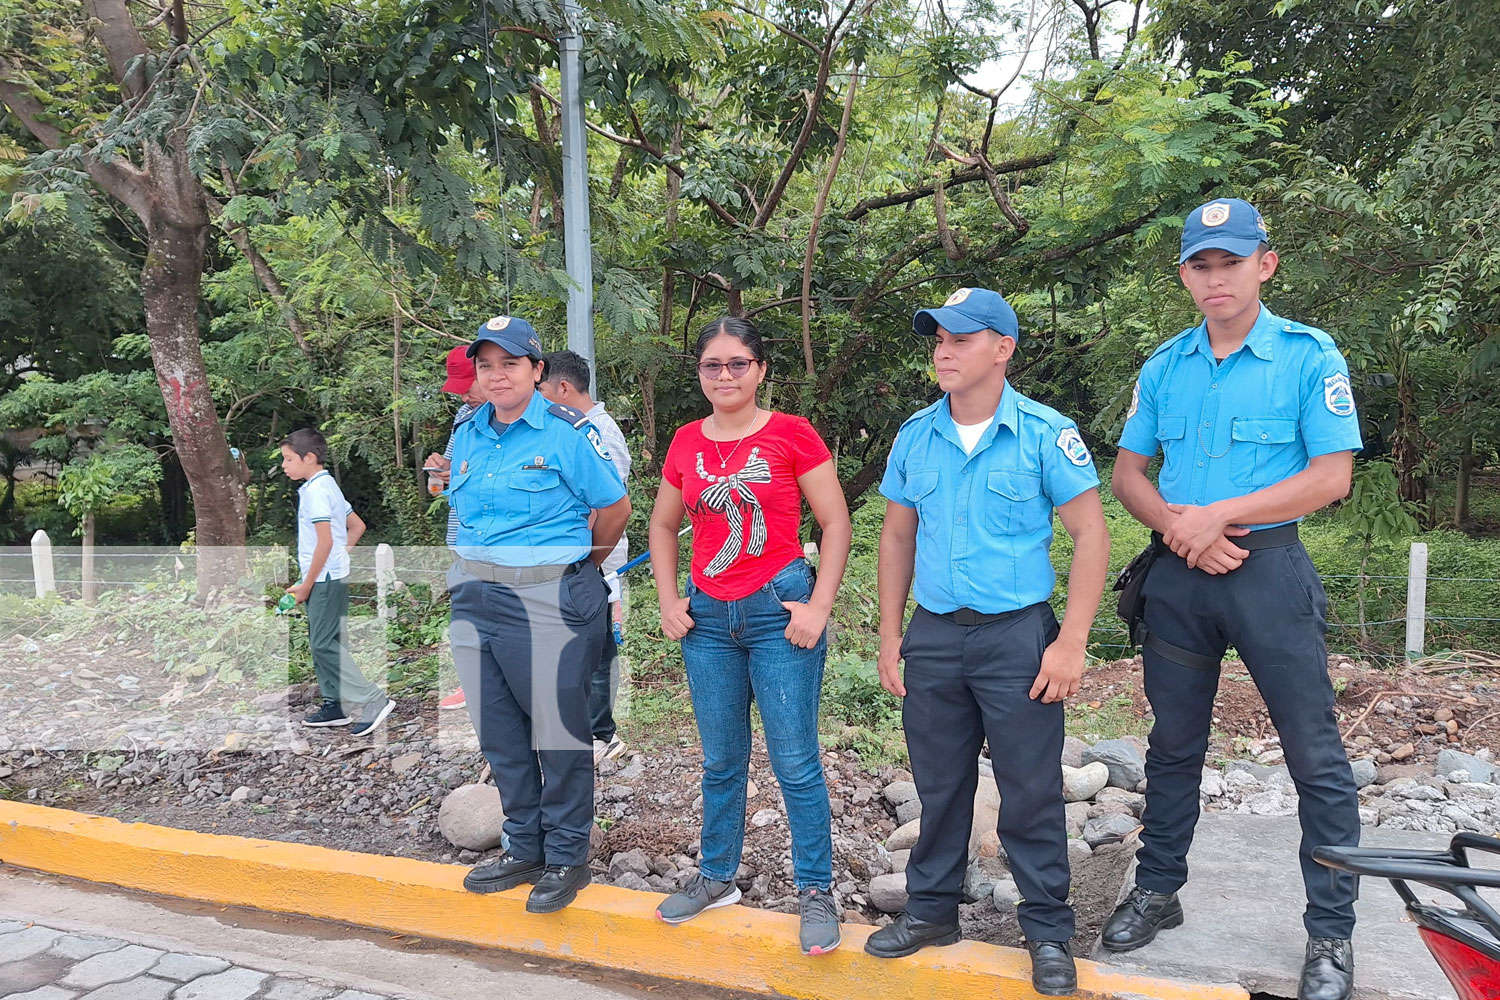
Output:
(965, 684)
(1272, 611)
(524, 654)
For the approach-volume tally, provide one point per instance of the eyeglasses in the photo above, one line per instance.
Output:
(737, 367)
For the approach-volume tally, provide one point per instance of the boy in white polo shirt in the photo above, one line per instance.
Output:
(327, 528)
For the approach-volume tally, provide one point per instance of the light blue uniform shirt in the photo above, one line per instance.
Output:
(984, 519)
(1228, 428)
(523, 496)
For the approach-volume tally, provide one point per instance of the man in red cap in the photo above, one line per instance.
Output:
(460, 382)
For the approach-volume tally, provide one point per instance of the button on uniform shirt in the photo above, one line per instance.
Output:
(984, 518)
(619, 454)
(523, 495)
(320, 501)
(1228, 428)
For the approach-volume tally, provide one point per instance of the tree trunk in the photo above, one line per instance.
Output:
(1406, 447)
(90, 585)
(176, 239)
(647, 382)
(1461, 488)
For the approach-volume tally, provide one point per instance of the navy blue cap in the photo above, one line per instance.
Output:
(1227, 224)
(969, 310)
(517, 336)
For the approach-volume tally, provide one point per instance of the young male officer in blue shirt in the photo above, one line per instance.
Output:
(1256, 424)
(539, 507)
(970, 486)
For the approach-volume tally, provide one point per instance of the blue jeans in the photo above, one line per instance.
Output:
(737, 650)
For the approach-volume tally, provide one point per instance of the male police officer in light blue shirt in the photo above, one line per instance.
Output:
(530, 609)
(971, 485)
(1255, 420)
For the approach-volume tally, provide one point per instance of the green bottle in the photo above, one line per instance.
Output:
(286, 604)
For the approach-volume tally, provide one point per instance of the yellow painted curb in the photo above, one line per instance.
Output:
(734, 947)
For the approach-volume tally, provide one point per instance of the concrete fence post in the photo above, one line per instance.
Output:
(1416, 602)
(41, 564)
(385, 580)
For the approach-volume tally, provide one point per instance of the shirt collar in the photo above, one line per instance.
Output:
(1007, 414)
(1260, 340)
(534, 414)
(313, 478)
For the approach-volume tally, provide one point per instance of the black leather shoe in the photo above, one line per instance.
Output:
(907, 935)
(1136, 920)
(557, 888)
(505, 872)
(1052, 971)
(1328, 970)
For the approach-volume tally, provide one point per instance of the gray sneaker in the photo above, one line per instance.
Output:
(698, 895)
(820, 921)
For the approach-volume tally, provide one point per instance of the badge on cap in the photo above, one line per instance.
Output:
(498, 323)
(957, 297)
(536, 345)
(1135, 401)
(1216, 214)
(1338, 395)
(1072, 446)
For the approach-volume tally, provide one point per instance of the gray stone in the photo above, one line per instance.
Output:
(185, 967)
(888, 892)
(898, 792)
(1109, 809)
(1005, 894)
(1108, 829)
(634, 860)
(1078, 850)
(986, 814)
(471, 817)
(1072, 751)
(1364, 772)
(904, 837)
(1127, 766)
(234, 984)
(1075, 815)
(111, 967)
(295, 989)
(980, 878)
(1212, 784)
(1082, 783)
(80, 946)
(908, 810)
(1134, 801)
(899, 860)
(357, 995)
(765, 817)
(400, 765)
(43, 993)
(1449, 760)
(26, 942)
(631, 880)
(139, 988)
(1264, 773)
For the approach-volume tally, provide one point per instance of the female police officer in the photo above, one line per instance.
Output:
(539, 506)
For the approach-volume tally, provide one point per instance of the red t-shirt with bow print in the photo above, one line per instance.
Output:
(743, 500)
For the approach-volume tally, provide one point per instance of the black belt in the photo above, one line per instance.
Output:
(970, 617)
(1264, 538)
(516, 575)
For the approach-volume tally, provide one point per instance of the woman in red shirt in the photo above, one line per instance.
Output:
(753, 621)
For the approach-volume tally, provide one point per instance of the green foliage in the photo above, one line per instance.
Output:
(86, 484)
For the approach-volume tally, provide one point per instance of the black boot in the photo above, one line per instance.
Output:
(505, 872)
(908, 935)
(1053, 973)
(1136, 920)
(1327, 970)
(557, 888)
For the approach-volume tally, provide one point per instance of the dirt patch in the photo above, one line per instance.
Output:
(1095, 891)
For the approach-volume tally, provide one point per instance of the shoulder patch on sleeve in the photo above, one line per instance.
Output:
(1135, 400)
(579, 422)
(1338, 395)
(1070, 442)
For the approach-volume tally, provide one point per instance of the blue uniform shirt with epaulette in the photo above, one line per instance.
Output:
(1228, 428)
(984, 519)
(523, 496)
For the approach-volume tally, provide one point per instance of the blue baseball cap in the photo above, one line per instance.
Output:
(1226, 224)
(512, 333)
(969, 310)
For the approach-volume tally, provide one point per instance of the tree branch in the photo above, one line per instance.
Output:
(817, 218)
(239, 232)
(123, 45)
(966, 176)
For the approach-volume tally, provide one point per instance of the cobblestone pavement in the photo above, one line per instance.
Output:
(45, 963)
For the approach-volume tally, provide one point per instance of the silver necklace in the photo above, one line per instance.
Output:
(723, 459)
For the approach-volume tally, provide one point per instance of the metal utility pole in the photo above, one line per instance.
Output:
(577, 242)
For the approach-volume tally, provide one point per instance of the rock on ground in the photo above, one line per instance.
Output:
(471, 817)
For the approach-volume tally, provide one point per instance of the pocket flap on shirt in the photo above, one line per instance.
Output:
(919, 484)
(1015, 485)
(1264, 430)
(534, 480)
(1170, 428)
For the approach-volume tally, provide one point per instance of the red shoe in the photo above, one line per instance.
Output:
(454, 700)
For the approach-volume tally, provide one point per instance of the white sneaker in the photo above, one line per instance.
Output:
(608, 751)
